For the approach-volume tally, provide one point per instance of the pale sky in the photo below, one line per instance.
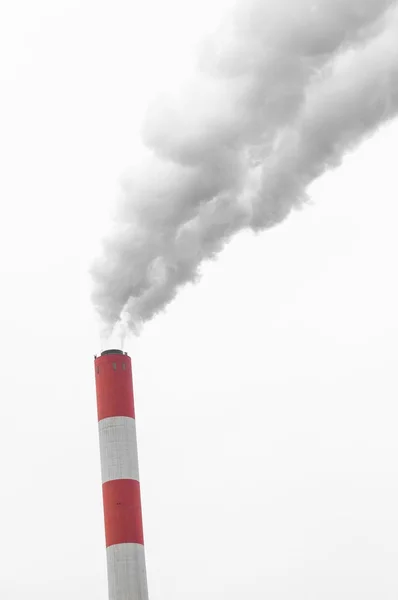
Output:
(266, 394)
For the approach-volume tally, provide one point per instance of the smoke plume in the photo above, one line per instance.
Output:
(281, 93)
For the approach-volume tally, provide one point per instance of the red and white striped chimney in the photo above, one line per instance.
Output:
(120, 479)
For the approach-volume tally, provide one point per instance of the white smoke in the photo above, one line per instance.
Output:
(282, 92)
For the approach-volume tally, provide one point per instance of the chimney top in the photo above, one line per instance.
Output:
(112, 351)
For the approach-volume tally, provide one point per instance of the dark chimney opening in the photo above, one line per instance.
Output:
(111, 352)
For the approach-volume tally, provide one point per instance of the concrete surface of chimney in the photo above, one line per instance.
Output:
(120, 478)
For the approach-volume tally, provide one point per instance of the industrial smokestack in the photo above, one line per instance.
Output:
(120, 478)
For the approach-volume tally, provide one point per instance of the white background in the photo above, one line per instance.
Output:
(266, 394)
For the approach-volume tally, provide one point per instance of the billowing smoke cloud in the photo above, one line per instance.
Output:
(281, 94)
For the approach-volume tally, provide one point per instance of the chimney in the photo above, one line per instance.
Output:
(120, 478)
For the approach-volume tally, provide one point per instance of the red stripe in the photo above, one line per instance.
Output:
(122, 511)
(114, 385)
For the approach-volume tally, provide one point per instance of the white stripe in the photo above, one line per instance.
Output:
(118, 448)
(126, 572)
